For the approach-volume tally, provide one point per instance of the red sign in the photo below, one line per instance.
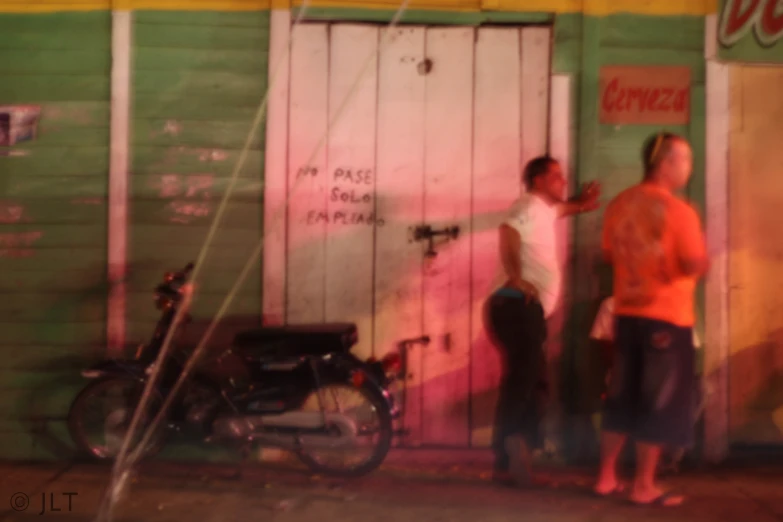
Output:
(739, 17)
(645, 95)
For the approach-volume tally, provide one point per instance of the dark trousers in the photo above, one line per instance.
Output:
(518, 330)
(651, 388)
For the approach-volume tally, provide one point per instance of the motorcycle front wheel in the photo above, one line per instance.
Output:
(113, 418)
(370, 422)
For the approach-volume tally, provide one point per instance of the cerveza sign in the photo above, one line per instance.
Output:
(751, 30)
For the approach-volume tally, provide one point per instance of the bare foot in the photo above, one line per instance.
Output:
(608, 487)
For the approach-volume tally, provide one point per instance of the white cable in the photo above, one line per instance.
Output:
(259, 247)
(120, 470)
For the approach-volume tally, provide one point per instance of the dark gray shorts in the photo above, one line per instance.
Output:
(650, 395)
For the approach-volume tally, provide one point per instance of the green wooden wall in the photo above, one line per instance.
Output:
(52, 223)
(198, 80)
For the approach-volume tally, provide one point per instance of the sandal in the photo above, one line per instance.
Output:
(665, 499)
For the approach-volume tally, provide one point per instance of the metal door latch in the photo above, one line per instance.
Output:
(426, 232)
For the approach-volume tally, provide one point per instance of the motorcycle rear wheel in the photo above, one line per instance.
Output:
(380, 448)
(118, 418)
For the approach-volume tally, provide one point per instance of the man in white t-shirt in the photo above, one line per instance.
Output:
(515, 314)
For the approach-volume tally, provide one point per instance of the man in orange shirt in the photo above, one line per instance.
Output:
(655, 244)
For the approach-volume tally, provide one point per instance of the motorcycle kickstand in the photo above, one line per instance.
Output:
(245, 450)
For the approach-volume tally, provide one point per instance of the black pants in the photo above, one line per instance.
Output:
(518, 329)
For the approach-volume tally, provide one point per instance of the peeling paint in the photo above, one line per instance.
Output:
(16, 244)
(191, 195)
(14, 152)
(172, 128)
(204, 155)
(191, 208)
(212, 155)
(88, 201)
(184, 185)
(11, 213)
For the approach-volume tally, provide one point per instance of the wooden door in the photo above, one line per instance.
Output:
(756, 248)
(433, 134)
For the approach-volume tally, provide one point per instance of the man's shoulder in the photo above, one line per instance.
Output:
(683, 207)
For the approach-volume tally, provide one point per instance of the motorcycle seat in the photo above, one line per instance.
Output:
(297, 339)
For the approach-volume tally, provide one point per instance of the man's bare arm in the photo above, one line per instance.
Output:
(586, 201)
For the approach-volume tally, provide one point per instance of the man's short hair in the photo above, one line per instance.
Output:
(535, 168)
(656, 148)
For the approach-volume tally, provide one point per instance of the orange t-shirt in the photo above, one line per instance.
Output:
(646, 231)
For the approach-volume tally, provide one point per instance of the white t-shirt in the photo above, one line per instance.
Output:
(603, 327)
(535, 219)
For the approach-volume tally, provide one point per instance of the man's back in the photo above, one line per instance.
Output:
(646, 233)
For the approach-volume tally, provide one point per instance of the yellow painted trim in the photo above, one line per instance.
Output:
(589, 7)
(607, 7)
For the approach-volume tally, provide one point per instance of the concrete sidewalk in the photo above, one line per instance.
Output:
(406, 489)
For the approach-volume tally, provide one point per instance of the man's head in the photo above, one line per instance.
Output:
(544, 176)
(667, 158)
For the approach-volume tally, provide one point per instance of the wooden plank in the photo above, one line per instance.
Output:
(54, 334)
(351, 179)
(76, 236)
(275, 169)
(70, 187)
(307, 176)
(151, 160)
(52, 211)
(176, 131)
(205, 87)
(56, 162)
(200, 37)
(118, 179)
(44, 88)
(59, 61)
(496, 183)
(399, 202)
(151, 106)
(160, 58)
(716, 331)
(535, 55)
(447, 203)
(224, 19)
(559, 148)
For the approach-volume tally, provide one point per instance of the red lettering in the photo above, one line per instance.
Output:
(667, 94)
(761, 16)
(681, 100)
(611, 88)
(735, 19)
(771, 22)
(652, 100)
(633, 93)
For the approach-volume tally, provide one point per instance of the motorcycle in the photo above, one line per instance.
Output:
(277, 393)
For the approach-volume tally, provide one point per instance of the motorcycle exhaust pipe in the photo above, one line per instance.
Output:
(305, 442)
